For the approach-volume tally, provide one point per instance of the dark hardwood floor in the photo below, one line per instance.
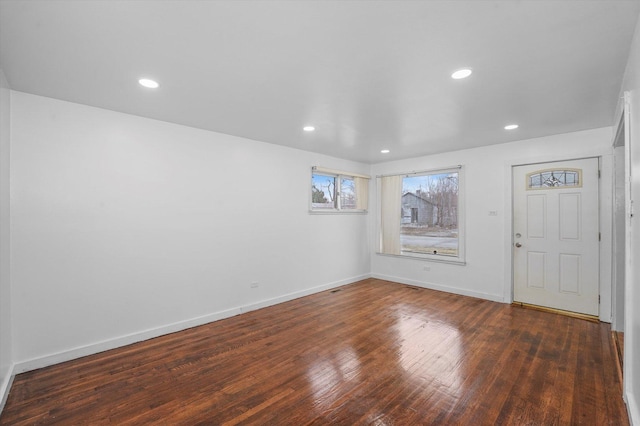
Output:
(373, 352)
(618, 344)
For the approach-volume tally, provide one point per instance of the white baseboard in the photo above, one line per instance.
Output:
(6, 386)
(105, 345)
(78, 352)
(439, 287)
(302, 293)
(632, 409)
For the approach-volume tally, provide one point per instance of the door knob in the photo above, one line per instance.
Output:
(518, 245)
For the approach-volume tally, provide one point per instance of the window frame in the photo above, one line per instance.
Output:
(338, 176)
(460, 258)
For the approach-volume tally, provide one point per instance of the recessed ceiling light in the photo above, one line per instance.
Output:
(462, 73)
(511, 127)
(146, 82)
(308, 128)
(385, 151)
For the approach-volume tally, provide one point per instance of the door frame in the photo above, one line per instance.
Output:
(605, 191)
(624, 124)
(619, 283)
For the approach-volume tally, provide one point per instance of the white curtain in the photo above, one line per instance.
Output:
(362, 193)
(390, 198)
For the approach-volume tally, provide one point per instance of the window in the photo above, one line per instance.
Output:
(333, 191)
(553, 178)
(421, 215)
(323, 191)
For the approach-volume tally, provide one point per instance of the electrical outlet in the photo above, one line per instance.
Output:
(255, 284)
(493, 213)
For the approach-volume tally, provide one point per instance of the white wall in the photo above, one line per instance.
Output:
(6, 360)
(487, 273)
(125, 227)
(631, 83)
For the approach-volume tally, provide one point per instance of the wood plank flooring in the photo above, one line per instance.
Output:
(618, 344)
(373, 352)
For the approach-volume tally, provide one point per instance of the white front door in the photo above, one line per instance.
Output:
(556, 235)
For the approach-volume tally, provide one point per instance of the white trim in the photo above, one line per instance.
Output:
(338, 177)
(421, 172)
(439, 287)
(629, 279)
(105, 345)
(460, 259)
(442, 259)
(545, 159)
(302, 293)
(602, 246)
(618, 141)
(5, 387)
(605, 282)
(323, 170)
(606, 200)
(632, 409)
(507, 291)
(78, 352)
(339, 212)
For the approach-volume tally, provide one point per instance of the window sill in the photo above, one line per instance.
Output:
(424, 258)
(321, 212)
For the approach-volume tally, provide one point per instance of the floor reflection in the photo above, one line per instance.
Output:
(328, 374)
(420, 353)
(429, 350)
